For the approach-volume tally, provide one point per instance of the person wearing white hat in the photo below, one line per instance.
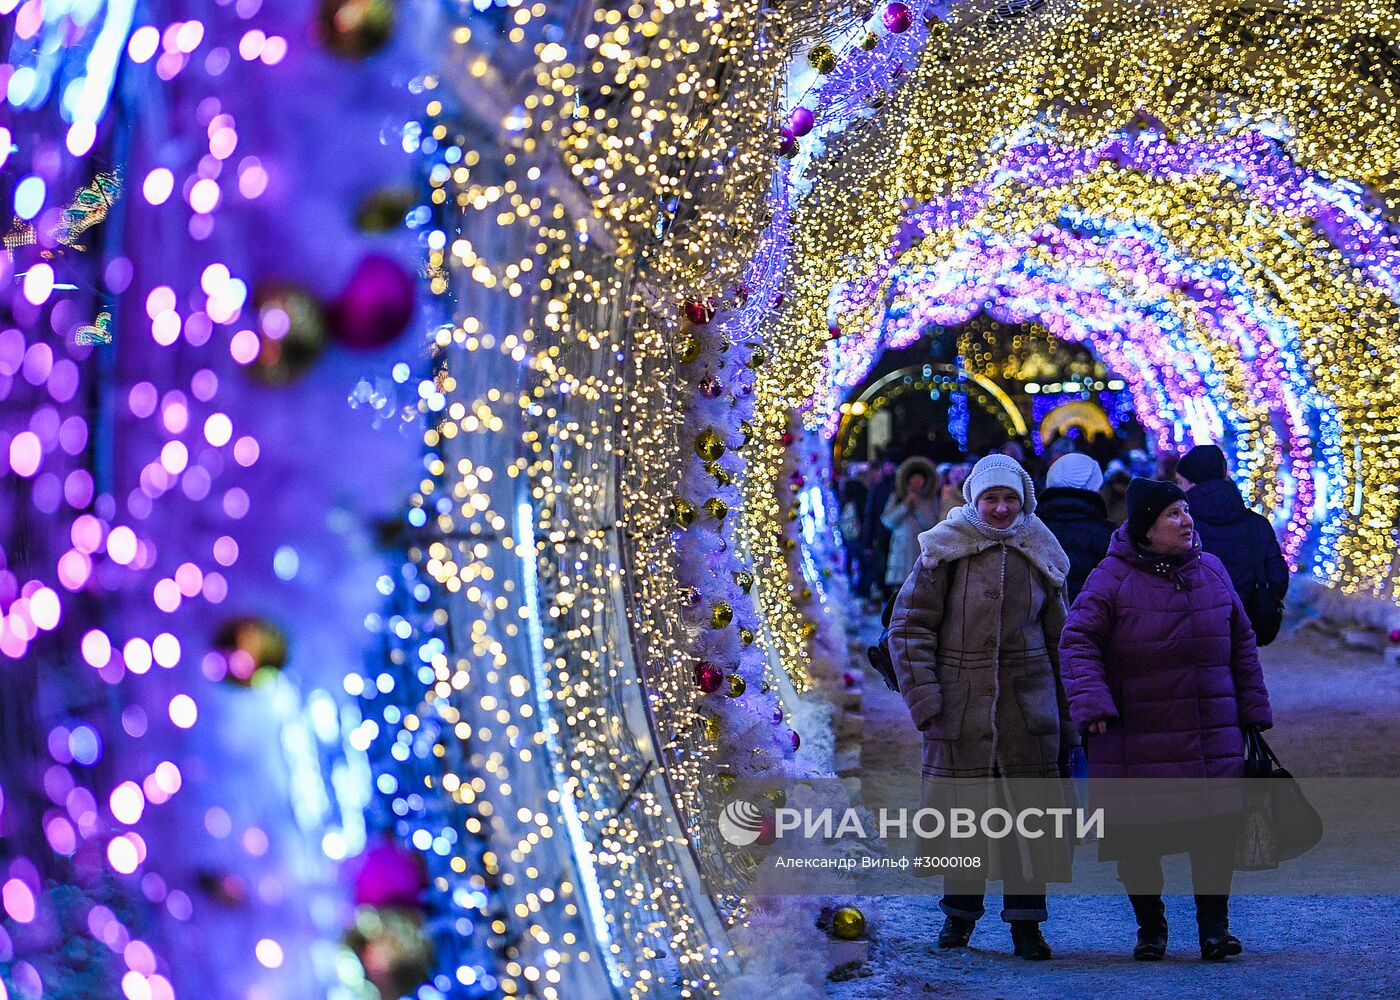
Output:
(1073, 509)
(972, 638)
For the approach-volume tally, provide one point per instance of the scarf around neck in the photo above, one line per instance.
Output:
(974, 518)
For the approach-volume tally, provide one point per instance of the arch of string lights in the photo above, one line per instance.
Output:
(1219, 239)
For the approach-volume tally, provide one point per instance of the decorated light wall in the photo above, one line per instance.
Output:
(189, 298)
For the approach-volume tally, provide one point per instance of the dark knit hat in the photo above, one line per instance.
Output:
(1202, 464)
(1147, 498)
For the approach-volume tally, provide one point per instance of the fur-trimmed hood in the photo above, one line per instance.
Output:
(906, 471)
(955, 538)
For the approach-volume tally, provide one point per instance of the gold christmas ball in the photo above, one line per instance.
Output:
(869, 41)
(736, 686)
(383, 211)
(792, 511)
(848, 923)
(757, 359)
(712, 729)
(727, 782)
(355, 28)
(682, 512)
(807, 630)
(718, 471)
(789, 544)
(716, 508)
(250, 644)
(690, 348)
(821, 58)
(776, 797)
(746, 636)
(875, 99)
(709, 445)
(806, 593)
(745, 431)
(744, 579)
(721, 615)
(292, 331)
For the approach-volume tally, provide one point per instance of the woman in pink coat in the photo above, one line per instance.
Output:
(1161, 671)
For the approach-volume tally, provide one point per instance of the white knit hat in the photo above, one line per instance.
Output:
(1074, 471)
(1000, 470)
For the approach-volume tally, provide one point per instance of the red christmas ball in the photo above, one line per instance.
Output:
(801, 121)
(898, 17)
(708, 677)
(849, 678)
(788, 438)
(767, 830)
(833, 331)
(1395, 635)
(699, 313)
(376, 305)
(796, 740)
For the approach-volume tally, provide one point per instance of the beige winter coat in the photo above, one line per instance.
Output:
(974, 636)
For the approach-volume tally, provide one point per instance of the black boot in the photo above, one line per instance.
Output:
(956, 932)
(1029, 942)
(1213, 921)
(1151, 915)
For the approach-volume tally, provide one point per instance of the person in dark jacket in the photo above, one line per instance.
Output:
(1162, 673)
(1114, 492)
(876, 537)
(1240, 538)
(1073, 509)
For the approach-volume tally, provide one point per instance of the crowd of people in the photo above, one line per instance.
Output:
(884, 504)
(1040, 611)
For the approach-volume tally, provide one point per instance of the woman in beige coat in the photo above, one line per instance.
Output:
(974, 638)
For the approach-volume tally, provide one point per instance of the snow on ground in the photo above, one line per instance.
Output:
(1337, 712)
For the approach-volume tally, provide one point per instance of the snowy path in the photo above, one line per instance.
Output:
(1337, 712)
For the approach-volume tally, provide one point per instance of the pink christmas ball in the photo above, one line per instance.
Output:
(1395, 635)
(376, 305)
(796, 740)
(801, 121)
(389, 875)
(898, 17)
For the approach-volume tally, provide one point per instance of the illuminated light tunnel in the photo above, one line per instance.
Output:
(507, 637)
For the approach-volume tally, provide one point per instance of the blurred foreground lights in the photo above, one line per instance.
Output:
(38, 283)
(128, 803)
(19, 901)
(183, 711)
(269, 953)
(125, 853)
(159, 185)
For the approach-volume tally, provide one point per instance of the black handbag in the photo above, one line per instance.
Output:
(879, 654)
(1279, 822)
